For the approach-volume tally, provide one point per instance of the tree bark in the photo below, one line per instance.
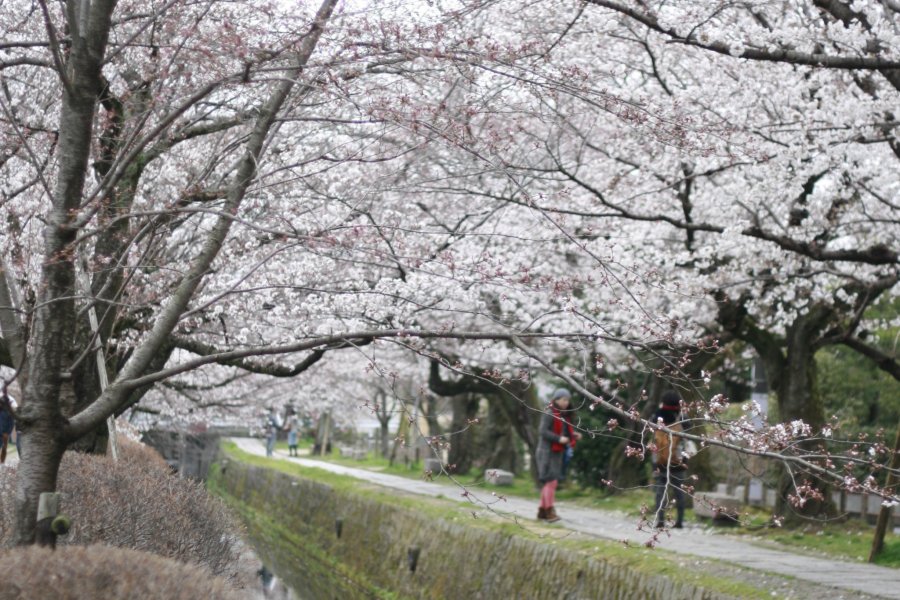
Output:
(463, 432)
(384, 419)
(500, 442)
(791, 371)
(798, 398)
(11, 323)
(519, 400)
(37, 472)
(40, 416)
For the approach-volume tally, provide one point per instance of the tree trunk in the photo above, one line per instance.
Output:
(797, 390)
(400, 440)
(430, 414)
(523, 408)
(385, 436)
(384, 419)
(791, 372)
(462, 432)
(798, 399)
(37, 473)
(54, 320)
(500, 442)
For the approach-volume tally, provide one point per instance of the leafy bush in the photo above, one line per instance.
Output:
(137, 503)
(87, 573)
(590, 462)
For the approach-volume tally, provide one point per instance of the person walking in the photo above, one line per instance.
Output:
(292, 426)
(555, 435)
(271, 426)
(669, 465)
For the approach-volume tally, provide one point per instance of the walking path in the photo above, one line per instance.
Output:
(881, 582)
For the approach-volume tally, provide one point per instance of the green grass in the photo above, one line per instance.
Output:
(342, 483)
(851, 540)
(303, 443)
(375, 462)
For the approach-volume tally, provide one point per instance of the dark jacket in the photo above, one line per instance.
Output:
(549, 463)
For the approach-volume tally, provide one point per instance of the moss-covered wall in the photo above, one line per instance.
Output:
(291, 521)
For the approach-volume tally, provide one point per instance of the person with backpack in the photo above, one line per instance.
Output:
(669, 465)
(7, 423)
(555, 435)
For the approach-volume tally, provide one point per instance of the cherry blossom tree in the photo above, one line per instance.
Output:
(117, 71)
(767, 197)
(198, 191)
(226, 181)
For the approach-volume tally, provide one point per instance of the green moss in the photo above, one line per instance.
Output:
(293, 553)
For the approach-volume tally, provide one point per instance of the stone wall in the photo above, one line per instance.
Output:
(294, 524)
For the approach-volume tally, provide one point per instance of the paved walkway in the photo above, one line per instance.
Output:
(880, 582)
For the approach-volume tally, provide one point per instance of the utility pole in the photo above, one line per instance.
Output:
(98, 349)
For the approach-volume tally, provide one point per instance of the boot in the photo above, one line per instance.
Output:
(552, 517)
(542, 514)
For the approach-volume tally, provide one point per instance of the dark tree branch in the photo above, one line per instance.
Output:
(847, 16)
(882, 360)
(264, 368)
(24, 60)
(684, 196)
(775, 55)
(53, 39)
(878, 254)
(865, 295)
(734, 319)
(467, 384)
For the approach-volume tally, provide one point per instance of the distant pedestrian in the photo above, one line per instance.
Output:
(292, 426)
(7, 423)
(669, 465)
(555, 435)
(271, 429)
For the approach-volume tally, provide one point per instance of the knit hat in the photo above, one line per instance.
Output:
(671, 401)
(561, 393)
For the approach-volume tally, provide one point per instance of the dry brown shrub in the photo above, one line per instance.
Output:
(138, 503)
(140, 455)
(92, 572)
